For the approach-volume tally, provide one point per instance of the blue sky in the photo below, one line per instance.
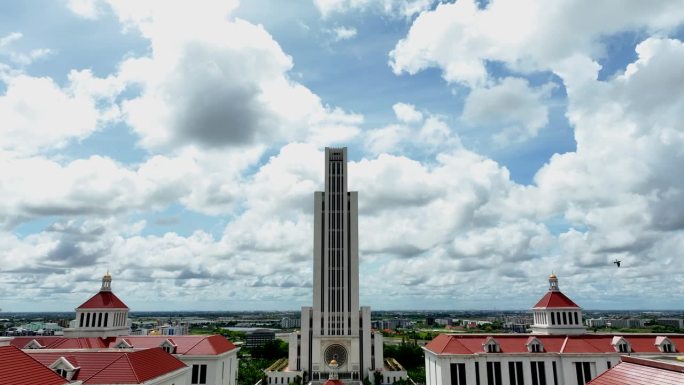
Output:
(491, 143)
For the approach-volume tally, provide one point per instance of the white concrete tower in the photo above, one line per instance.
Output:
(336, 252)
(335, 327)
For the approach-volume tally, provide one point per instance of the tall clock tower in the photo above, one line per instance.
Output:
(335, 327)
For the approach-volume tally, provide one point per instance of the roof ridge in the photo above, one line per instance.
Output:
(130, 363)
(101, 370)
(565, 342)
(195, 345)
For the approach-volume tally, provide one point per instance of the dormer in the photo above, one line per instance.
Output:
(665, 345)
(66, 367)
(34, 344)
(621, 345)
(169, 346)
(123, 344)
(491, 345)
(534, 345)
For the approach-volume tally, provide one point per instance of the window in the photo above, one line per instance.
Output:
(477, 373)
(535, 348)
(667, 348)
(538, 373)
(458, 374)
(555, 373)
(623, 348)
(576, 319)
(199, 374)
(565, 318)
(583, 372)
(609, 365)
(494, 373)
(515, 373)
(61, 372)
(553, 319)
(491, 346)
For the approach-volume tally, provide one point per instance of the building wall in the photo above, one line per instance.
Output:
(221, 369)
(438, 369)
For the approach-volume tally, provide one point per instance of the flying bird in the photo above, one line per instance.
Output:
(617, 262)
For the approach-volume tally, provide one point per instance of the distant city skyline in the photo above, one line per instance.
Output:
(177, 145)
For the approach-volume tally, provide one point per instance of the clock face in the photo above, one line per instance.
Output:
(336, 352)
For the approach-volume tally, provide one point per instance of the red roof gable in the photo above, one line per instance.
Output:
(18, 368)
(554, 299)
(207, 345)
(185, 345)
(112, 367)
(103, 300)
(54, 342)
(634, 371)
(517, 343)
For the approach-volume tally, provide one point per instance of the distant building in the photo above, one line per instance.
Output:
(674, 322)
(624, 323)
(259, 337)
(444, 321)
(290, 323)
(595, 322)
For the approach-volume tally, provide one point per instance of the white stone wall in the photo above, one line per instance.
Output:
(221, 369)
(437, 367)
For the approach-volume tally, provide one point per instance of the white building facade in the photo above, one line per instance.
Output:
(335, 327)
(558, 352)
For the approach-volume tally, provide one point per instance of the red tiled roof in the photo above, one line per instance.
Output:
(634, 371)
(554, 299)
(185, 345)
(18, 368)
(112, 367)
(61, 342)
(333, 382)
(103, 300)
(517, 343)
(208, 345)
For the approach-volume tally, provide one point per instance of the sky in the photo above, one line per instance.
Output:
(177, 145)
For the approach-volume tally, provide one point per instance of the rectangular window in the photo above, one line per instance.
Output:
(555, 373)
(477, 373)
(458, 374)
(583, 372)
(494, 373)
(538, 373)
(199, 374)
(576, 319)
(553, 319)
(515, 373)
